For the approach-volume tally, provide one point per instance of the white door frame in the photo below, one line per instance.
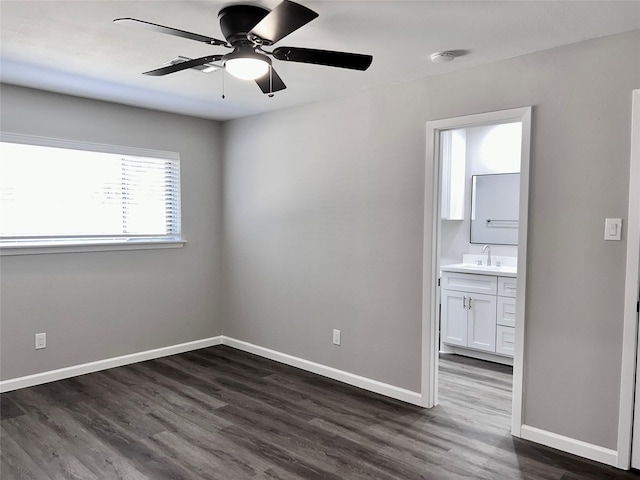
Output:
(431, 252)
(628, 382)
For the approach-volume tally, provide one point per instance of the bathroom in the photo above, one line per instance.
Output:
(479, 240)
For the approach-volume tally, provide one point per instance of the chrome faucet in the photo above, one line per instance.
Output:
(484, 249)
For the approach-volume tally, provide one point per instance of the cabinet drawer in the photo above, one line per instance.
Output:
(507, 286)
(465, 282)
(505, 340)
(507, 311)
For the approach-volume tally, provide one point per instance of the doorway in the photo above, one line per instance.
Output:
(455, 233)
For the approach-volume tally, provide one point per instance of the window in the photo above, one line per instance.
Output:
(56, 192)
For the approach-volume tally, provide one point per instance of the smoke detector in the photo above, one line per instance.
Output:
(442, 57)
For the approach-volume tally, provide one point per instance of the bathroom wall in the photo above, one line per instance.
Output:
(490, 149)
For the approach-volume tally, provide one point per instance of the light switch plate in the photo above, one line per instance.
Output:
(613, 229)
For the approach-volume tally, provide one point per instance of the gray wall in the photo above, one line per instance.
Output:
(324, 217)
(100, 305)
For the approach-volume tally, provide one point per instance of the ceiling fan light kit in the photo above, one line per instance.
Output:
(246, 68)
(246, 64)
(248, 29)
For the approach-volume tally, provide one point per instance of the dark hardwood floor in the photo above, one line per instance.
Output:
(220, 413)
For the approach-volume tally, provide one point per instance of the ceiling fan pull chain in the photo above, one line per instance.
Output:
(223, 72)
(270, 81)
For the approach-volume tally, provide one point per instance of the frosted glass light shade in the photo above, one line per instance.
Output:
(246, 68)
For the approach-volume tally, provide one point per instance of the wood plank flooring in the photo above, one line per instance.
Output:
(219, 413)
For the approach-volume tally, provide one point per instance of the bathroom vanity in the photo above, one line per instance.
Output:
(478, 309)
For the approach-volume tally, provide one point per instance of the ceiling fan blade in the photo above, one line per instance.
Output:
(270, 82)
(281, 21)
(183, 65)
(170, 31)
(354, 61)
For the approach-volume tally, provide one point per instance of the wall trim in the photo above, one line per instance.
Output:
(570, 445)
(76, 370)
(330, 372)
(489, 357)
(349, 378)
(629, 456)
(431, 252)
(543, 437)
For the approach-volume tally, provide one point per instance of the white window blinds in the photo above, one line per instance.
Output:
(66, 192)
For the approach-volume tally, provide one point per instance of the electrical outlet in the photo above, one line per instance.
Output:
(336, 337)
(41, 340)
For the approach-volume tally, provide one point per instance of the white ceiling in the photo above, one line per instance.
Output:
(74, 47)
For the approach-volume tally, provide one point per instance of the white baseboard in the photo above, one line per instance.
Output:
(570, 445)
(74, 371)
(543, 437)
(392, 391)
(467, 352)
(330, 372)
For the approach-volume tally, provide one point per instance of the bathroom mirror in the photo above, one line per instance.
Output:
(494, 208)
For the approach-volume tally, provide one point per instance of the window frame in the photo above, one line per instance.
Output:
(59, 244)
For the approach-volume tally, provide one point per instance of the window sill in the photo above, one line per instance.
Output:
(43, 248)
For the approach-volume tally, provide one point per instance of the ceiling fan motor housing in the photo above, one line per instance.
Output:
(236, 21)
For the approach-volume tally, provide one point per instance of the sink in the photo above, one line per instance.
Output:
(503, 270)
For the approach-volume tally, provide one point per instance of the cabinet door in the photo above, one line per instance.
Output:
(454, 317)
(481, 323)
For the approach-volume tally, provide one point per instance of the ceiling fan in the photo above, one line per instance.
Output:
(247, 30)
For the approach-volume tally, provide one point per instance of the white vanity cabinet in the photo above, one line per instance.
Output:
(469, 305)
(478, 311)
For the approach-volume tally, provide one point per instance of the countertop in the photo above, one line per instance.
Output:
(501, 271)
